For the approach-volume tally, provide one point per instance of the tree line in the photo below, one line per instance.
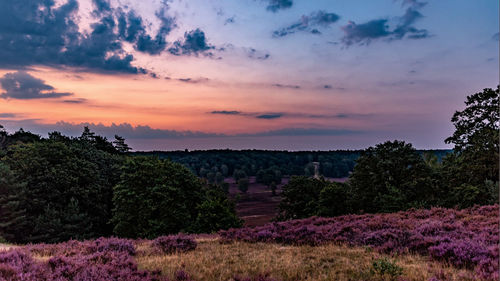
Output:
(59, 188)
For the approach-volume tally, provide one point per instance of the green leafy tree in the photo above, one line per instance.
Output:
(476, 137)
(67, 193)
(120, 144)
(273, 187)
(389, 177)
(243, 185)
(335, 199)
(216, 212)
(300, 197)
(12, 215)
(155, 197)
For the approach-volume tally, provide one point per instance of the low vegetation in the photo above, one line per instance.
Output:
(438, 244)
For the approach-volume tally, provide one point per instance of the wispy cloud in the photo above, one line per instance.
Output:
(277, 85)
(277, 115)
(276, 5)
(21, 85)
(308, 23)
(366, 32)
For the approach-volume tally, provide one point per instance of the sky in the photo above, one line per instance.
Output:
(246, 74)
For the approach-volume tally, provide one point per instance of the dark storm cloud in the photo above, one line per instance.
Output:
(101, 6)
(131, 28)
(276, 5)
(308, 23)
(194, 42)
(35, 32)
(21, 85)
(364, 33)
(277, 85)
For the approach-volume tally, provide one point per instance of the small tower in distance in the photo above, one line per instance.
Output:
(316, 170)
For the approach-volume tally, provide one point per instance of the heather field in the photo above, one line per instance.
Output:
(437, 244)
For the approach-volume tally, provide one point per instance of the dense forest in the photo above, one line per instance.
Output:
(211, 164)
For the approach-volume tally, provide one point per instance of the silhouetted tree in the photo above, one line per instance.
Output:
(120, 144)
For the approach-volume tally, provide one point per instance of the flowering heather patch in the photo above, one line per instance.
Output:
(74, 247)
(101, 259)
(174, 244)
(464, 238)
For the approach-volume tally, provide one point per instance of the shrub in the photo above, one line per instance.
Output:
(174, 243)
(385, 266)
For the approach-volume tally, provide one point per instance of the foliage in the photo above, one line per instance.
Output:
(215, 212)
(389, 177)
(472, 170)
(300, 197)
(154, 197)
(66, 193)
(120, 145)
(229, 162)
(243, 184)
(385, 266)
(334, 200)
(174, 244)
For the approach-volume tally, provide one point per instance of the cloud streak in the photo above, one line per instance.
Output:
(277, 115)
(276, 5)
(309, 23)
(23, 86)
(365, 33)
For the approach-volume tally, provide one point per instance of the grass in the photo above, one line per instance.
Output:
(215, 261)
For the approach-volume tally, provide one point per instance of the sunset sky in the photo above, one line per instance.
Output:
(265, 74)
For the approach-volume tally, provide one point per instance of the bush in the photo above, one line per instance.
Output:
(174, 244)
(386, 267)
(243, 185)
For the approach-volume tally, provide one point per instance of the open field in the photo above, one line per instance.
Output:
(215, 261)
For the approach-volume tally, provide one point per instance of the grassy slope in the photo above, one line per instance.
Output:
(215, 261)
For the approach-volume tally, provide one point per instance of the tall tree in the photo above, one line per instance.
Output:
(476, 136)
(120, 144)
(389, 177)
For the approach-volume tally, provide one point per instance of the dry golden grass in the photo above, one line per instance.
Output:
(214, 261)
